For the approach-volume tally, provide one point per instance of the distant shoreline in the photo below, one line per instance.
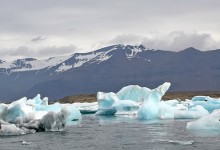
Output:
(169, 95)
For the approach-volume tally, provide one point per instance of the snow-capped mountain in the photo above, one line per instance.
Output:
(108, 69)
(68, 62)
(29, 64)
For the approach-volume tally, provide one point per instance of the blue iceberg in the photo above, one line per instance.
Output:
(151, 108)
(133, 99)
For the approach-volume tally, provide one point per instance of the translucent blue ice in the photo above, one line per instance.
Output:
(144, 101)
(150, 107)
(207, 102)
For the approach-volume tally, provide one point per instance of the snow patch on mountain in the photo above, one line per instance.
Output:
(134, 50)
(65, 63)
(30, 64)
(94, 57)
(64, 67)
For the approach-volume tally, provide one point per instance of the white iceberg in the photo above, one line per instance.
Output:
(87, 108)
(192, 113)
(28, 116)
(18, 109)
(210, 122)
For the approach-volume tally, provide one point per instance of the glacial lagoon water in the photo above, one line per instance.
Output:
(108, 133)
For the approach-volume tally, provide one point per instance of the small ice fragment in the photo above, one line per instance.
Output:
(26, 143)
(181, 142)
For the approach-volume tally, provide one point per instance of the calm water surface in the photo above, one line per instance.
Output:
(116, 133)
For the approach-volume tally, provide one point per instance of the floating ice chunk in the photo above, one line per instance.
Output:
(210, 122)
(26, 143)
(181, 142)
(201, 98)
(150, 108)
(207, 102)
(192, 113)
(87, 108)
(35, 115)
(49, 121)
(105, 102)
(10, 129)
(55, 121)
(18, 109)
(110, 103)
(72, 115)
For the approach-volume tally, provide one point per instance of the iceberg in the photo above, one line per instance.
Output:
(192, 113)
(73, 112)
(150, 107)
(87, 108)
(10, 129)
(207, 102)
(105, 102)
(133, 99)
(17, 109)
(210, 122)
(29, 116)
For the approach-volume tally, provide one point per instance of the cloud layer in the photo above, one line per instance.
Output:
(174, 41)
(89, 24)
(44, 52)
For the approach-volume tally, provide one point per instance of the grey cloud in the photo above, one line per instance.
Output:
(127, 39)
(174, 41)
(90, 21)
(56, 17)
(45, 52)
(179, 40)
(38, 38)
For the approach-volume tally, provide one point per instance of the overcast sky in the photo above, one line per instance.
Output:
(44, 28)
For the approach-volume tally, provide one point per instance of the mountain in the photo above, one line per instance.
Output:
(109, 69)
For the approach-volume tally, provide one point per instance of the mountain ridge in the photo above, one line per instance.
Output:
(109, 69)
